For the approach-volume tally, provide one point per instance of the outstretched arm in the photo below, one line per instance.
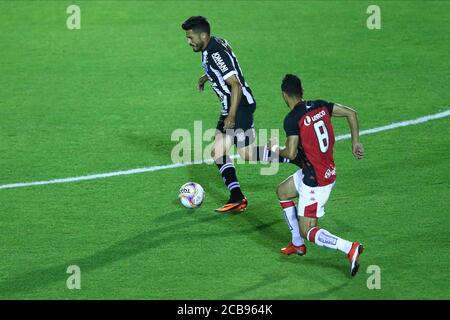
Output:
(343, 111)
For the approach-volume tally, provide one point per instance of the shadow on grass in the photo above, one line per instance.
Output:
(326, 294)
(318, 262)
(27, 282)
(267, 280)
(316, 266)
(253, 291)
(208, 176)
(149, 142)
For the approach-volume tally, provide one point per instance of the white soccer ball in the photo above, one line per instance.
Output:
(191, 195)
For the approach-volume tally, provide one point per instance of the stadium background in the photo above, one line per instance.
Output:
(107, 98)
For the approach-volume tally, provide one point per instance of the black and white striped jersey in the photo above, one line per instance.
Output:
(220, 63)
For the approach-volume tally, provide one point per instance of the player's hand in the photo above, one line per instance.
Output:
(358, 150)
(274, 145)
(229, 122)
(201, 83)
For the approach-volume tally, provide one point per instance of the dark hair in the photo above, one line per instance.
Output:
(197, 24)
(292, 85)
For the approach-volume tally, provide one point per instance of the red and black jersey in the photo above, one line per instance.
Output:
(311, 122)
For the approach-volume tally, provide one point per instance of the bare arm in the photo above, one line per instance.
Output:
(201, 82)
(236, 94)
(291, 149)
(352, 118)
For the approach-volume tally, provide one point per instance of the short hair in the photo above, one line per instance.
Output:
(292, 85)
(197, 24)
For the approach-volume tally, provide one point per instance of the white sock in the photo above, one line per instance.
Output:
(323, 238)
(290, 213)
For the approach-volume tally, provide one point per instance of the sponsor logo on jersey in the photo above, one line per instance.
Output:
(219, 61)
(307, 121)
(319, 115)
(330, 172)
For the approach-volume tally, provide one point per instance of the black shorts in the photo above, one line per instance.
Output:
(243, 133)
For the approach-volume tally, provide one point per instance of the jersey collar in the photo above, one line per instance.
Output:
(210, 44)
(300, 104)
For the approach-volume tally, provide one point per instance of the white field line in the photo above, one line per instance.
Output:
(179, 165)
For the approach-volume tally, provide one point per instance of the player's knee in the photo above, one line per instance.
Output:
(304, 231)
(217, 153)
(280, 193)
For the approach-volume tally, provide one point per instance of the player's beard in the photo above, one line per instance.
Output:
(198, 47)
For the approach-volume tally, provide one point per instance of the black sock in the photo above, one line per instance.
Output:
(298, 160)
(263, 153)
(228, 172)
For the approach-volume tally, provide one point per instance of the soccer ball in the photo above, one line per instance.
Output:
(191, 195)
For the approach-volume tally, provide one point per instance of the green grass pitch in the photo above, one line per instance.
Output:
(108, 96)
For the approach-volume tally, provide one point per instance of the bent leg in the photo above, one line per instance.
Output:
(286, 192)
(221, 146)
(322, 237)
(220, 149)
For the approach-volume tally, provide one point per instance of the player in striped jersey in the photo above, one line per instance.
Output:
(235, 125)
